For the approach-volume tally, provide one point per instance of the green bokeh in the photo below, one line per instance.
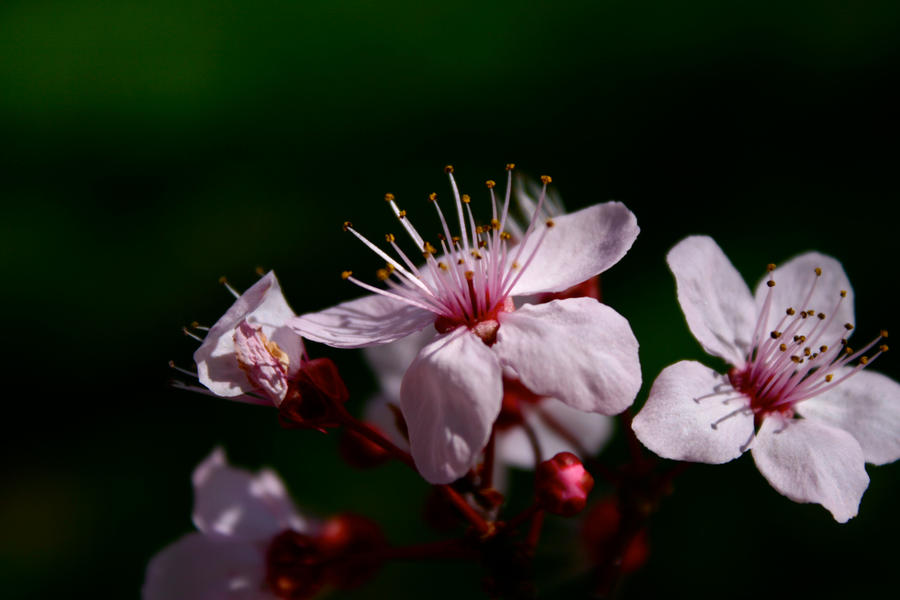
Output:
(150, 147)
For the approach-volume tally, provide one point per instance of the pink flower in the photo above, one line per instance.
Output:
(576, 350)
(796, 394)
(237, 515)
(250, 354)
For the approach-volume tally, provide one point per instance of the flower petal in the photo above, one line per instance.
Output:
(676, 421)
(450, 398)
(390, 361)
(579, 246)
(236, 504)
(200, 568)
(589, 430)
(366, 321)
(576, 350)
(867, 405)
(793, 281)
(809, 461)
(714, 298)
(261, 305)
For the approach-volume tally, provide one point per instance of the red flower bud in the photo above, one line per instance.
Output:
(562, 485)
(351, 546)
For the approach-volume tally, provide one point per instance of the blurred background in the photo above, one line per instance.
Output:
(149, 148)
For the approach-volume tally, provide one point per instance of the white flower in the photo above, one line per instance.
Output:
(237, 515)
(576, 350)
(794, 394)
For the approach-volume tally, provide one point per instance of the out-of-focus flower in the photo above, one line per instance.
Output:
(238, 515)
(576, 350)
(796, 393)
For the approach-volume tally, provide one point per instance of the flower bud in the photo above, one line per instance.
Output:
(562, 485)
(351, 545)
(293, 570)
(313, 392)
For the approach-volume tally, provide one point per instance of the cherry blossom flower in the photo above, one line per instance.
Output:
(237, 515)
(576, 350)
(796, 394)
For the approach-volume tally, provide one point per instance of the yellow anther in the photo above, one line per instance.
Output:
(884, 333)
(432, 196)
(801, 339)
(843, 293)
(401, 214)
(223, 280)
(448, 169)
(348, 225)
(807, 351)
(864, 360)
(490, 183)
(550, 223)
(505, 235)
(461, 262)
(510, 166)
(382, 274)
(883, 347)
(476, 254)
(495, 224)
(443, 266)
(829, 377)
(389, 238)
(775, 335)
(770, 267)
(456, 239)
(260, 271)
(848, 326)
(823, 348)
(545, 179)
(465, 199)
(797, 359)
(346, 274)
(469, 275)
(427, 248)
(821, 316)
(770, 283)
(389, 267)
(848, 349)
(479, 230)
(790, 311)
(482, 244)
(195, 324)
(515, 265)
(783, 347)
(818, 272)
(388, 197)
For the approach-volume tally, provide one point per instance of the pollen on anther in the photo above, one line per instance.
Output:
(346, 274)
(388, 197)
(401, 214)
(797, 359)
(443, 266)
(432, 197)
(482, 244)
(807, 351)
(428, 248)
(223, 280)
(770, 267)
(884, 333)
(848, 326)
(864, 360)
(545, 179)
(195, 325)
(783, 347)
(550, 223)
(505, 235)
(259, 271)
(465, 199)
(389, 238)
(469, 275)
(823, 348)
(790, 312)
(829, 377)
(775, 335)
(818, 272)
(382, 274)
(448, 169)
(848, 349)
(821, 316)
(490, 183)
(515, 265)
(883, 347)
(510, 166)
(843, 293)
(770, 283)
(348, 225)
(461, 261)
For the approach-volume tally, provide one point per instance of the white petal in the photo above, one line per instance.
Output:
(236, 504)
(580, 245)
(576, 350)
(200, 568)
(812, 462)
(366, 321)
(590, 430)
(262, 305)
(390, 361)
(714, 298)
(450, 398)
(793, 281)
(676, 421)
(868, 407)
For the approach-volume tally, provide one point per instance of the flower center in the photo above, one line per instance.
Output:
(801, 358)
(469, 282)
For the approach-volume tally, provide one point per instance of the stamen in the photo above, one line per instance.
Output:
(228, 287)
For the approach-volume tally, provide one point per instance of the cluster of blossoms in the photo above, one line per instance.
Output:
(494, 350)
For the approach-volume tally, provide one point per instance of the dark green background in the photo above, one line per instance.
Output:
(146, 148)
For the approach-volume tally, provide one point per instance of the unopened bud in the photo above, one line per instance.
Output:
(351, 545)
(562, 485)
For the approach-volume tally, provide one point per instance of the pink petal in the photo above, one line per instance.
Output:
(591, 430)
(793, 281)
(579, 246)
(867, 405)
(366, 321)
(200, 568)
(576, 350)
(809, 461)
(236, 504)
(260, 366)
(676, 421)
(261, 305)
(390, 361)
(450, 397)
(714, 298)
